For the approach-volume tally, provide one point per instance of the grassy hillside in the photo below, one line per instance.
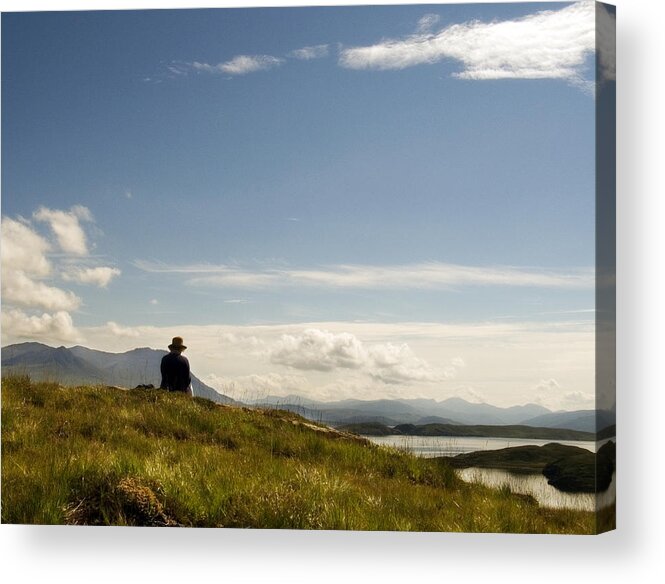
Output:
(96, 455)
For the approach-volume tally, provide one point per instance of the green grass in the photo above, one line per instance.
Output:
(103, 456)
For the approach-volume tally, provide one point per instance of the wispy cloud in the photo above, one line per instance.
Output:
(238, 65)
(427, 275)
(428, 22)
(551, 44)
(100, 276)
(309, 53)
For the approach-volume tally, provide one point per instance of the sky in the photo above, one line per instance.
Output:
(333, 202)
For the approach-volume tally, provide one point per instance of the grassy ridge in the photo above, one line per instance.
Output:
(95, 455)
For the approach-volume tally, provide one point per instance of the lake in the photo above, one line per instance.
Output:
(536, 485)
(431, 446)
(525, 484)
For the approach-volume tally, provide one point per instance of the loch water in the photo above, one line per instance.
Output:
(535, 485)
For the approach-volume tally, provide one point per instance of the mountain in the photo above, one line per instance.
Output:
(427, 411)
(585, 420)
(49, 364)
(474, 413)
(80, 365)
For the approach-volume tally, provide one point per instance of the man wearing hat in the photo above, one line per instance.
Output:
(175, 369)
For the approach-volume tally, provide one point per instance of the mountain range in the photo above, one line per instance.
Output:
(450, 411)
(80, 365)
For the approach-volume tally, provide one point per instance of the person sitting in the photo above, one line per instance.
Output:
(175, 369)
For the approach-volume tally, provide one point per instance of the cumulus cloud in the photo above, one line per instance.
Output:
(66, 226)
(30, 268)
(57, 327)
(23, 249)
(25, 266)
(21, 290)
(322, 350)
(550, 44)
(122, 331)
(238, 65)
(398, 364)
(100, 276)
(309, 53)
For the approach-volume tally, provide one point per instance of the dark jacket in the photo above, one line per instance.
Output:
(175, 372)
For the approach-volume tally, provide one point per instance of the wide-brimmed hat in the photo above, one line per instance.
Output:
(177, 344)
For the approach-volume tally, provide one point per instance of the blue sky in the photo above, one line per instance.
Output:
(291, 185)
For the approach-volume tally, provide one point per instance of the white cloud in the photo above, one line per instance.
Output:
(427, 275)
(249, 387)
(56, 327)
(551, 394)
(548, 386)
(20, 290)
(309, 53)
(67, 227)
(398, 364)
(123, 331)
(28, 271)
(23, 249)
(428, 22)
(25, 266)
(100, 276)
(504, 360)
(239, 65)
(244, 342)
(321, 350)
(551, 44)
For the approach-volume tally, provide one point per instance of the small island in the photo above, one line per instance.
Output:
(568, 468)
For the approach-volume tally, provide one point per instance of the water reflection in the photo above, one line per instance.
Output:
(431, 446)
(537, 487)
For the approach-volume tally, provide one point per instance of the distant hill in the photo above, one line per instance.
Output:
(584, 420)
(458, 430)
(428, 411)
(80, 365)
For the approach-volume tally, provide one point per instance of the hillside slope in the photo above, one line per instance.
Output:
(80, 365)
(156, 458)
